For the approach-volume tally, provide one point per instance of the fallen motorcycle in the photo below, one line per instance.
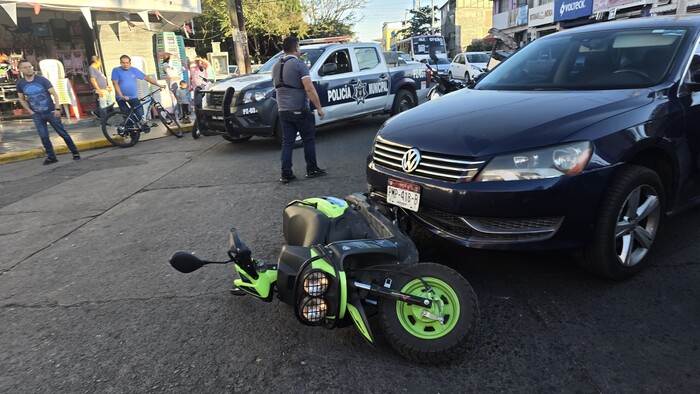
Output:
(344, 263)
(443, 85)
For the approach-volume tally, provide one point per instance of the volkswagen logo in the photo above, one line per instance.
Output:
(410, 160)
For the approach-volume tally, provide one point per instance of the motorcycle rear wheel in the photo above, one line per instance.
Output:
(419, 337)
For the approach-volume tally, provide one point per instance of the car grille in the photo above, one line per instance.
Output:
(490, 230)
(216, 99)
(448, 168)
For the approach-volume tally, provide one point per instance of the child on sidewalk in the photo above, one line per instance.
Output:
(182, 96)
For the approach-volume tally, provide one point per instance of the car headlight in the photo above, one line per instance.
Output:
(255, 95)
(316, 283)
(550, 162)
(313, 309)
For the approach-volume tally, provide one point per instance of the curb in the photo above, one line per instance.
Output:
(84, 145)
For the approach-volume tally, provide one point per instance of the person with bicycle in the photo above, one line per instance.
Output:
(125, 80)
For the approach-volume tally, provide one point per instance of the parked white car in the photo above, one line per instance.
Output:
(468, 65)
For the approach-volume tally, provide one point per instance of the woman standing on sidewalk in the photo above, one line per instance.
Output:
(35, 94)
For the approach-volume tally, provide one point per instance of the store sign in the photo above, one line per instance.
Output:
(604, 5)
(517, 17)
(541, 15)
(572, 9)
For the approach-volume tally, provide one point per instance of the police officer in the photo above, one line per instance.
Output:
(294, 89)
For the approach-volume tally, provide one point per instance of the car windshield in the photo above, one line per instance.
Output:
(309, 56)
(617, 59)
(478, 58)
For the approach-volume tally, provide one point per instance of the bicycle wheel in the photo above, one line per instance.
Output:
(170, 122)
(116, 131)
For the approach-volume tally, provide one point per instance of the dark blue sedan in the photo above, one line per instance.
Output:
(583, 140)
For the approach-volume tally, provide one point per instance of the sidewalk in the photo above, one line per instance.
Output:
(21, 142)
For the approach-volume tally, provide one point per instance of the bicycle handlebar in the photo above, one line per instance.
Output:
(142, 99)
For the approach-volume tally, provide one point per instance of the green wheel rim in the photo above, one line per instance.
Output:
(444, 299)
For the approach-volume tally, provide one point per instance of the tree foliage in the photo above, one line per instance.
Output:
(421, 22)
(267, 22)
(478, 45)
(330, 18)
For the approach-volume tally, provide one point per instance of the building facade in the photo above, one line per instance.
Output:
(463, 21)
(527, 20)
(71, 32)
(390, 34)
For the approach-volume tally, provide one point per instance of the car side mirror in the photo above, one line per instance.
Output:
(329, 68)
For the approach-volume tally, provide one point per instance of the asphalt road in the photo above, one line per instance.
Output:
(88, 302)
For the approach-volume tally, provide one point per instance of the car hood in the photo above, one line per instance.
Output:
(248, 81)
(485, 122)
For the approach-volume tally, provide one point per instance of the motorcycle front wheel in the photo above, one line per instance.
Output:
(418, 333)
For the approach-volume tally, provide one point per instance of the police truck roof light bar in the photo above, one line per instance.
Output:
(326, 40)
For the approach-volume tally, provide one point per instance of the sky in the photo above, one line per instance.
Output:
(377, 12)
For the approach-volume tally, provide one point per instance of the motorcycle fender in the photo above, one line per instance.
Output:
(261, 287)
(358, 315)
(341, 280)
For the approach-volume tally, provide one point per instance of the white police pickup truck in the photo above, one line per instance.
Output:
(352, 80)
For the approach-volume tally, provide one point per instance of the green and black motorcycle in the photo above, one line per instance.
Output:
(344, 263)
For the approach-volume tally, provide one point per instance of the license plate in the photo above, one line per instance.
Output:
(403, 194)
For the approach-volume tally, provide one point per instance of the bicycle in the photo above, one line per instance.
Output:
(124, 129)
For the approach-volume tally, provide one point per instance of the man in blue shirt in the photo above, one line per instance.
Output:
(124, 79)
(35, 93)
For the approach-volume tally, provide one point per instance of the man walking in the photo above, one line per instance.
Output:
(294, 89)
(124, 79)
(99, 82)
(35, 94)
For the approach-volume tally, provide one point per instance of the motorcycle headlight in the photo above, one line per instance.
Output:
(313, 309)
(255, 95)
(316, 283)
(550, 162)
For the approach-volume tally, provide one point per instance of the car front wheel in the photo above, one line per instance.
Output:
(628, 224)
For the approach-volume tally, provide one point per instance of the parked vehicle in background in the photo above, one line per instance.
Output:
(232, 70)
(352, 80)
(421, 47)
(582, 140)
(441, 66)
(468, 65)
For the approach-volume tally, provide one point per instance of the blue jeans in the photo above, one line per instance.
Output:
(40, 120)
(134, 103)
(304, 123)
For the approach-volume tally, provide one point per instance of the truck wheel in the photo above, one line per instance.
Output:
(236, 140)
(298, 143)
(403, 101)
(414, 331)
(630, 217)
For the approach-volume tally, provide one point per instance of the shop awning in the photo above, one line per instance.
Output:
(171, 20)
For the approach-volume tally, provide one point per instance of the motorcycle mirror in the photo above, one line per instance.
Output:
(186, 262)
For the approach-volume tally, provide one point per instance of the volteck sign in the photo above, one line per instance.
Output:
(572, 9)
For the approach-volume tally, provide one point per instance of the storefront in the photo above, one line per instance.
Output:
(70, 35)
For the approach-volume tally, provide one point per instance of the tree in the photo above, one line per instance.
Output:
(421, 22)
(267, 23)
(478, 45)
(330, 18)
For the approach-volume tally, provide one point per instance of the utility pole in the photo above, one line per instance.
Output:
(432, 16)
(238, 35)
